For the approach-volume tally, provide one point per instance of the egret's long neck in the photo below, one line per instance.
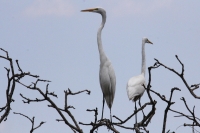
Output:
(100, 47)
(143, 58)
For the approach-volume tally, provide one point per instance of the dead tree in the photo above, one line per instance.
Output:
(14, 78)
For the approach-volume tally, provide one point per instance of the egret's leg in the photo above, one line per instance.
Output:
(136, 113)
(110, 116)
(111, 119)
(103, 107)
(142, 109)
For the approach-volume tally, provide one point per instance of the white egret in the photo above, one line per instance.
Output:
(135, 88)
(107, 77)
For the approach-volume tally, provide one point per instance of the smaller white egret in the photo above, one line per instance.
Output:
(135, 88)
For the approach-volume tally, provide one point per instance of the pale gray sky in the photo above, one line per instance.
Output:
(53, 39)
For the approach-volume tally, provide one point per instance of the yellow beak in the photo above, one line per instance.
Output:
(88, 10)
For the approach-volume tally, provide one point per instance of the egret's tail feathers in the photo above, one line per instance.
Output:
(109, 101)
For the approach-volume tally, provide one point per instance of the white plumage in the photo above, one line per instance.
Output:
(107, 77)
(135, 88)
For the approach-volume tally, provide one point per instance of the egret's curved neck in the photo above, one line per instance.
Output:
(143, 58)
(100, 47)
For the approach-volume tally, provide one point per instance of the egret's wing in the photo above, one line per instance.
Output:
(135, 87)
(105, 83)
(104, 80)
(111, 73)
(136, 80)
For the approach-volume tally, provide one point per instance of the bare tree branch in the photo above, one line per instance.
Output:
(32, 121)
(181, 75)
(52, 104)
(10, 88)
(73, 124)
(169, 103)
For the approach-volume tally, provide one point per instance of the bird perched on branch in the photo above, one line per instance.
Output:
(135, 88)
(107, 77)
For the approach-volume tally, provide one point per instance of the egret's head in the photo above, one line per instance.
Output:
(96, 10)
(146, 40)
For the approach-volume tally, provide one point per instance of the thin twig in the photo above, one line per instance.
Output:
(32, 121)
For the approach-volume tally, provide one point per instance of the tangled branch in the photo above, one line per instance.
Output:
(72, 122)
(12, 78)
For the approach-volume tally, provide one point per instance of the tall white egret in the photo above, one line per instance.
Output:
(135, 88)
(107, 77)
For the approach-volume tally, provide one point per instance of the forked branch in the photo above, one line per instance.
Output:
(32, 121)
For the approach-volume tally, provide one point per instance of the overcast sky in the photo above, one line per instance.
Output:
(53, 39)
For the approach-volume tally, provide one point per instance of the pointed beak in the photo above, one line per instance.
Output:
(149, 42)
(88, 10)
